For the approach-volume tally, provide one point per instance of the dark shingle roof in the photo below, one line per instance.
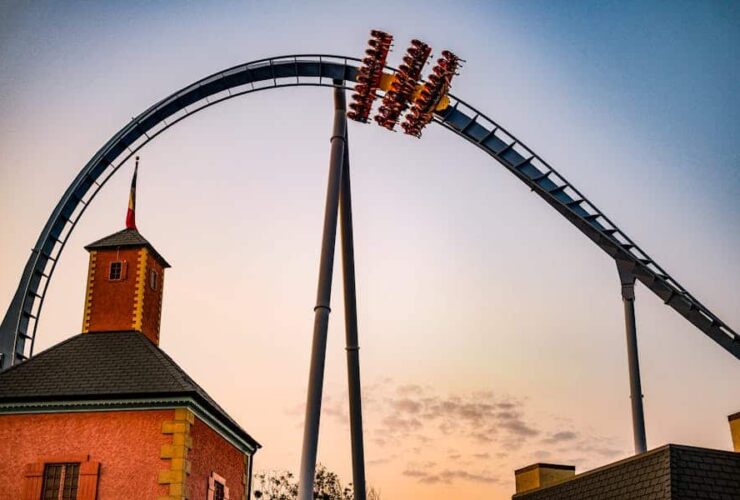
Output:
(126, 238)
(703, 473)
(109, 365)
(669, 472)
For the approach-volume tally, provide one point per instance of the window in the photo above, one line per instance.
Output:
(115, 272)
(61, 477)
(153, 280)
(217, 489)
(60, 481)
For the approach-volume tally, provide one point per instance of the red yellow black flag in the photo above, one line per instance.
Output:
(131, 213)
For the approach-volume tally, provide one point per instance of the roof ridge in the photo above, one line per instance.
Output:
(124, 230)
(41, 354)
(191, 384)
(677, 446)
(126, 238)
(177, 373)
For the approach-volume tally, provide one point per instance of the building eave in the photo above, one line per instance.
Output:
(244, 443)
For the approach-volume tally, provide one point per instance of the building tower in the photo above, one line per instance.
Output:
(125, 279)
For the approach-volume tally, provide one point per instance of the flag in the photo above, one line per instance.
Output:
(131, 213)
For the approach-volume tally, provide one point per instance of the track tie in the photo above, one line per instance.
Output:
(79, 200)
(558, 189)
(48, 257)
(272, 72)
(574, 203)
(523, 163)
(467, 126)
(488, 135)
(542, 176)
(507, 148)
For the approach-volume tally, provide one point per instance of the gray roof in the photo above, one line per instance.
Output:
(126, 238)
(106, 365)
(669, 472)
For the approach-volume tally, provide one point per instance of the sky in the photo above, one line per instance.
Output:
(491, 330)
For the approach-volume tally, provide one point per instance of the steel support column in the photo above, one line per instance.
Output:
(350, 323)
(323, 297)
(628, 298)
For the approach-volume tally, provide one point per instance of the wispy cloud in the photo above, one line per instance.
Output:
(475, 436)
(448, 476)
(560, 437)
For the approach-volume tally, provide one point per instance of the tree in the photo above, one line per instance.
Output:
(282, 485)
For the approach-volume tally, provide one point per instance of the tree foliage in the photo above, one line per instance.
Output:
(283, 485)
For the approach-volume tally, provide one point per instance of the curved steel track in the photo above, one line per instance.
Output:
(18, 329)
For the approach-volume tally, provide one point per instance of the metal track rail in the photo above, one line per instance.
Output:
(20, 324)
(559, 193)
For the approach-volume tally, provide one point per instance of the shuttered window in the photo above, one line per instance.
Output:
(60, 481)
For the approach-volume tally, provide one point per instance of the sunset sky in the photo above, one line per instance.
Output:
(491, 330)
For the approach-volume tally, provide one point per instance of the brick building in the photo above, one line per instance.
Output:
(107, 414)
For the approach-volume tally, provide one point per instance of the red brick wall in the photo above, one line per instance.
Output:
(152, 311)
(113, 301)
(126, 443)
(211, 453)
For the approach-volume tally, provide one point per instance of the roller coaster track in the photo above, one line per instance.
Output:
(19, 327)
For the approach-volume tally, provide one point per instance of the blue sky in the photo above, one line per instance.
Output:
(470, 287)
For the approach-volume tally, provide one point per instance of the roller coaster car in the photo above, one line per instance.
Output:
(436, 88)
(403, 86)
(369, 75)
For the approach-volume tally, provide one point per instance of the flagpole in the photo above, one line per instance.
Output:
(131, 212)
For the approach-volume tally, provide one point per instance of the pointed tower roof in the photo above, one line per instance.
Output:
(126, 238)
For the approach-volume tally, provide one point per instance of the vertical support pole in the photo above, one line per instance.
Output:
(350, 323)
(628, 298)
(323, 298)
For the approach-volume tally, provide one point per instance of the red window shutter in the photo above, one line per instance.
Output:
(33, 480)
(87, 487)
(124, 270)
